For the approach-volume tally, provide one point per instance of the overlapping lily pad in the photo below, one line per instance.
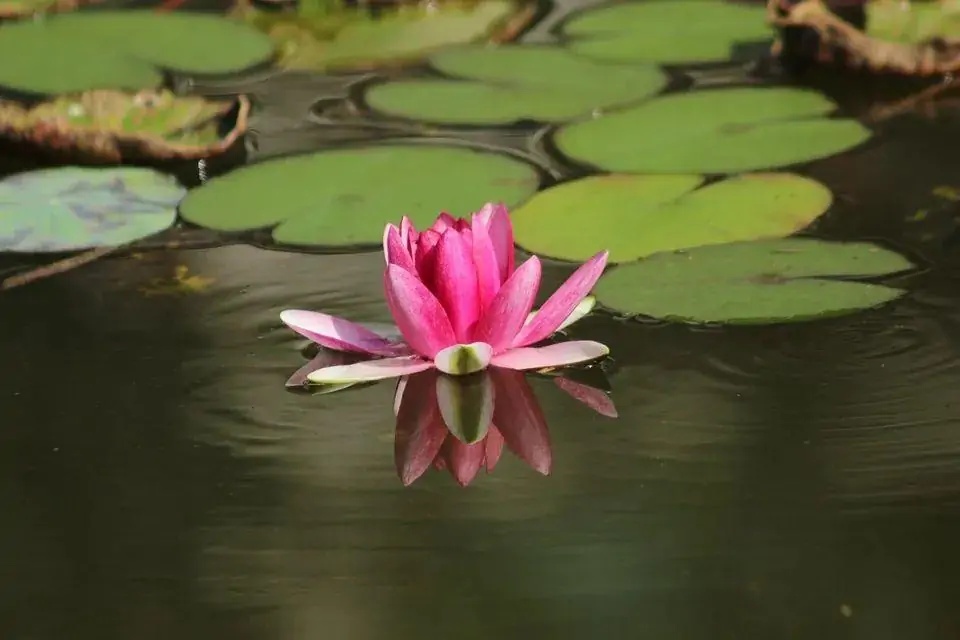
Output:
(17, 8)
(666, 31)
(634, 216)
(113, 126)
(76, 52)
(352, 40)
(344, 197)
(510, 83)
(760, 282)
(912, 22)
(713, 131)
(71, 208)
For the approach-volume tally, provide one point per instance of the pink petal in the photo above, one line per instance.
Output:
(497, 220)
(420, 431)
(336, 333)
(463, 460)
(408, 234)
(553, 355)
(426, 256)
(369, 370)
(443, 222)
(520, 419)
(455, 283)
(419, 316)
(325, 358)
(395, 251)
(504, 318)
(493, 448)
(485, 259)
(464, 359)
(563, 302)
(594, 398)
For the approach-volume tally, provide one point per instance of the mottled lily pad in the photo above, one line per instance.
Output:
(634, 216)
(760, 282)
(510, 83)
(351, 40)
(666, 31)
(713, 131)
(72, 208)
(113, 126)
(912, 22)
(82, 51)
(343, 198)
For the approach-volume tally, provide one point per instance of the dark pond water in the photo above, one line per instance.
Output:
(157, 481)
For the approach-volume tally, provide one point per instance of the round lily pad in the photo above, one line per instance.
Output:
(634, 216)
(912, 22)
(71, 53)
(666, 31)
(753, 282)
(510, 83)
(71, 208)
(713, 131)
(345, 197)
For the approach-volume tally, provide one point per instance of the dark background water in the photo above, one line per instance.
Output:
(157, 481)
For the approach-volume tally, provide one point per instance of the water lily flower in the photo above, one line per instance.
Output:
(460, 305)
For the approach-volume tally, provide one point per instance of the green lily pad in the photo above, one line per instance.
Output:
(510, 83)
(666, 31)
(345, 197)
(71, 208)
(82, 51)
(912, 23)
(350, 40)
(634, 216)
(760, 282)
(713, 131)
(18, 8)
(112, 126)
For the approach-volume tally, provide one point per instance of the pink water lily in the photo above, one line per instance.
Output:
(460, 304)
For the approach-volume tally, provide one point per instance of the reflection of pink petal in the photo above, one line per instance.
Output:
(463, 460)
(420, 432)
(493, 448)
(509, 309)
(418, 314)
(520, 419)
(369, 370)
(562, 303)
(553, 355)
(594, 398)
(336, 333)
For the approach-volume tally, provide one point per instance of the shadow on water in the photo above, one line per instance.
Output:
(158, 481)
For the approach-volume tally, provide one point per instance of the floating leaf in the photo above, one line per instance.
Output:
(713, 131)
(509, 83)
(666, 31)
(753, 282)
(113, 126)
(912, 22)
(352, 40)
(71, 208)
(76, 52)
(18, 8)
(344, 197)
(637, 215)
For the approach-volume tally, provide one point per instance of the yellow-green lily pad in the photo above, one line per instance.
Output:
(913, 22)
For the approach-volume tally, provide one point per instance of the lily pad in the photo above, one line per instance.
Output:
(72, 208)
(18, 8)
(666, 31)
(82, 51)
(760, 282)
(912, 22)
(634, 216)
(345, 197)
(351, 40)
(113, 126)
(713, 131)
(510, 83)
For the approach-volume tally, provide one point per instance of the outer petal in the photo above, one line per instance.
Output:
(485, 259)
(408, 234)
(464, 359)
(455, 283)
(582, 309)
(395, 250)
(520, 419)
(563, 302)
(500, 323)
(336, 333)
(443, 222)
(420, 430)
(369, 370)
(594, 398)
(418, 314)
(325, 358)
(426, 257)
(497, 220)
(553, 355)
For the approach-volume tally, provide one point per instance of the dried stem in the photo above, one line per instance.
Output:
(54, 268)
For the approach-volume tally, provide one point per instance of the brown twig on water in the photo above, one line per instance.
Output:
(911, 102)
(55, 268)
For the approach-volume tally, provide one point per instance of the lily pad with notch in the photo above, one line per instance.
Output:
(762, 282)
(114, 126)
(74, 208)
(713, 131)
(505, 84)
(343, 198)
(634, 216)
